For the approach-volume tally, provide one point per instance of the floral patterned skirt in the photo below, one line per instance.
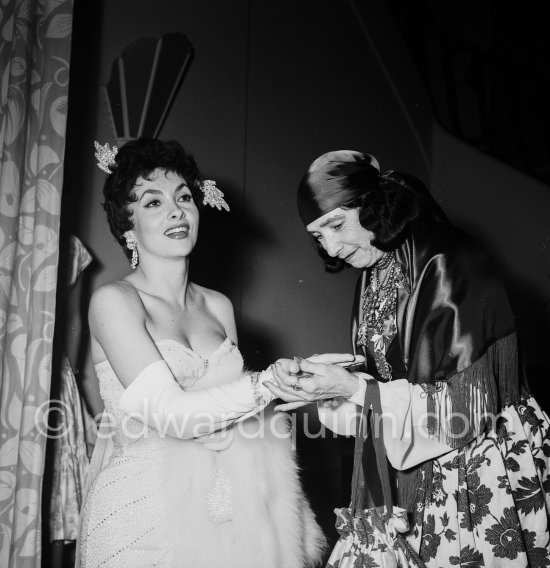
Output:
(490, 501)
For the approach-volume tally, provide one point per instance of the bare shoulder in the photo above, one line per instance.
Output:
(113, 300)
(215, 299)
(118, 331)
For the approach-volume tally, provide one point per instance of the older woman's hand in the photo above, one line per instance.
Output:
(302, 381)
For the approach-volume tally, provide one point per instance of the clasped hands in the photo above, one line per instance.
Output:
(320, 377)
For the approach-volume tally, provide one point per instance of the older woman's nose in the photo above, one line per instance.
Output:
(332, 246)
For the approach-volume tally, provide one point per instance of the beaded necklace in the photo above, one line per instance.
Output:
(378, 304)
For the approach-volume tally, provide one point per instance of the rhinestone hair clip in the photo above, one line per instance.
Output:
(213, 196)
(105, 156)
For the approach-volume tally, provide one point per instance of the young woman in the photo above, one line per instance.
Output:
(190, 481)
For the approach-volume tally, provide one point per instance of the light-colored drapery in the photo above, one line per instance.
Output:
(35, 43)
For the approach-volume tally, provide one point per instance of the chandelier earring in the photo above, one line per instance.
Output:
(131, 244)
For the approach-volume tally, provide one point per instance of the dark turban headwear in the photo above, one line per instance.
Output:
(335, 179)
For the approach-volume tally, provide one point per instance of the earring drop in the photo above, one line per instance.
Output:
(131, 244)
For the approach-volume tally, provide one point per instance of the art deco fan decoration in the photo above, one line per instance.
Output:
(143, 84)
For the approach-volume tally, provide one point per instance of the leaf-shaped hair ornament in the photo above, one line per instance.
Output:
(144, 81)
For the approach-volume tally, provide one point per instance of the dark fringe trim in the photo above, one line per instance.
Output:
(413, 485)
(504, 356)
(473, 399)
(474, 396)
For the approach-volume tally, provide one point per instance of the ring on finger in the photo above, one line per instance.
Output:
(297, 386)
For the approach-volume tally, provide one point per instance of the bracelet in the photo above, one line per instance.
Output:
(259, 399)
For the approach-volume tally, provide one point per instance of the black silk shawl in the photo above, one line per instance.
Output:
(454, 325)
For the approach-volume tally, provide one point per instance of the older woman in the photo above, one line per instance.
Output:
(468, 444)
(190, 481)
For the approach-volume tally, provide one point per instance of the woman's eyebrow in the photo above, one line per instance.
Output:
(150, 191)
(331, 220)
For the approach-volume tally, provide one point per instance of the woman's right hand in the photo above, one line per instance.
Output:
(302, 381)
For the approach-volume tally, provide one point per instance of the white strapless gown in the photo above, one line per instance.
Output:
(235, 501)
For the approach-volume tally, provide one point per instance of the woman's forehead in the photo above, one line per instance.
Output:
(159, 177)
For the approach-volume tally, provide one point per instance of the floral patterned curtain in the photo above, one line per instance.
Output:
(35, 43)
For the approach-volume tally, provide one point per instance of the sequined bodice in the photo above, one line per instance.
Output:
(191, 371)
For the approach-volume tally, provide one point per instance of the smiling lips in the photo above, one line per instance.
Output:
(179, 232)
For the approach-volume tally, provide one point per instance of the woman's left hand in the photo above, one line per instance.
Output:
(301, 381)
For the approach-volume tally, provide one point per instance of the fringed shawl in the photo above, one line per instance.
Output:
(454, 327)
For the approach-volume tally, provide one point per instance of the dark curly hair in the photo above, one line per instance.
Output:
(139, 158)
(392, 207)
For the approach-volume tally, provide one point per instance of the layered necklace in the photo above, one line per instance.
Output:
(378, 305)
